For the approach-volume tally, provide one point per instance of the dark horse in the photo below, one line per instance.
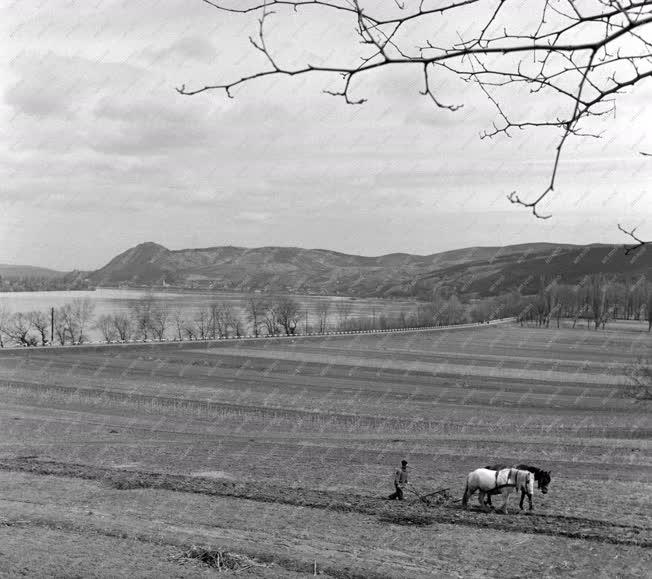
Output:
(542, 477)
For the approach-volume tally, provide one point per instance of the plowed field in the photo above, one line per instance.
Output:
(278, 454)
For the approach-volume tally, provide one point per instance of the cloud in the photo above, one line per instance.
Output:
(65, 104)
(126, 127)
(26, 97)
(186, 48)
(56, 85)
(254, 216)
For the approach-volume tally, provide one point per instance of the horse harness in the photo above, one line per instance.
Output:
(511, 475)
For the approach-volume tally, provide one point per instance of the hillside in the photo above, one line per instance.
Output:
(27, 271)
(480, 271)
(26, 278)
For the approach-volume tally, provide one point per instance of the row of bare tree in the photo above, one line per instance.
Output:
(597, 299)
(152, 319)
(67, 324)
(265, 316)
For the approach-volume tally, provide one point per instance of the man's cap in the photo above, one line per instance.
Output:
(404, 462)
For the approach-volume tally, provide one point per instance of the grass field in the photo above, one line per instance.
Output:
(277, 454)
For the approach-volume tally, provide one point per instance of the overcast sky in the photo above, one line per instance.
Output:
(100, 153)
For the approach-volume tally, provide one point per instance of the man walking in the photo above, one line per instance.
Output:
(400, 480)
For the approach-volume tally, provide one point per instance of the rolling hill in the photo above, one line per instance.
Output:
(28, 271)
(479, 271)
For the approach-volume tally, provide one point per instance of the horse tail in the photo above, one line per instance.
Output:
(465, 498)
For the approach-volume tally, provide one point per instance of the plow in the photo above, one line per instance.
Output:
(437, 497)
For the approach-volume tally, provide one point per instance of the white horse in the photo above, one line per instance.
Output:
(505, 480)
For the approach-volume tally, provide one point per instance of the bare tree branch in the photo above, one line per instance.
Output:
(632, 234)
(585, 54)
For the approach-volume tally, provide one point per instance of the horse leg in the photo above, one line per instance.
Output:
(481, 500)
(489, 499)
(525, 493)
(467, 495)
(505, 492)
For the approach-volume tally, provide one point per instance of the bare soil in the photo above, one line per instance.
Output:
(303, 435)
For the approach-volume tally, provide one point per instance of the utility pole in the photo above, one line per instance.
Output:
(51, 325)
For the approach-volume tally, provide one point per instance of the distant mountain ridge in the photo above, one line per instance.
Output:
(27, 278)
(480, 271)
(7, 270)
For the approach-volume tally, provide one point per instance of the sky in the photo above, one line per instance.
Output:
(101, 153)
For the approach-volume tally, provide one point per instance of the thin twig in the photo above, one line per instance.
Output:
(632, 234)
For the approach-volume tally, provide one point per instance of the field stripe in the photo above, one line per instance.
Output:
(421, 366)
(572, 527)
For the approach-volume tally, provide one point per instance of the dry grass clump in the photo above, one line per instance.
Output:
(221, 559)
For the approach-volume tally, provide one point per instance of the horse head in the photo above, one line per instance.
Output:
(543, 480)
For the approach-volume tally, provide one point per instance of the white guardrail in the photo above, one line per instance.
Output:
(266, 337)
